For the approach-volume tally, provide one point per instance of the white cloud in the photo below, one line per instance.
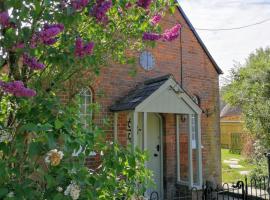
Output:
(229, 46)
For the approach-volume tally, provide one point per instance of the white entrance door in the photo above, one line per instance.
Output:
(154, 149)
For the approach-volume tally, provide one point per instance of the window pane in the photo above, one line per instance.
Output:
(85, 102)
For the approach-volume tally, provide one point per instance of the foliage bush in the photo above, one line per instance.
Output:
(53, 46)
(249, 90)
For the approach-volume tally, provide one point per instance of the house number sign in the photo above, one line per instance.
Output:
(129, 129)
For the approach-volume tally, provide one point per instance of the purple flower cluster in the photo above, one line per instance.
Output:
(17, 88)
(32, 62)
(128, 5)
(4, 19)
(47, 36)
(100, 9)
(79, 4)
(172, 34)
(151, 36)
(81, 49)
(156, 19)
(19, 45)
(168, 35)
(144, 3)
(49, 33)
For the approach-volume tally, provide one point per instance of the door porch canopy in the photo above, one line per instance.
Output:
(163, 95)
(158, 95)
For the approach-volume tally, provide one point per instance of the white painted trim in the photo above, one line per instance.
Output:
(178, 149)
(191, 103)
(134, 130)
(144, 147)
(170, 84)
(161, 157)
(190, 160)
(145, 125)
(199, 150)
(115, 127)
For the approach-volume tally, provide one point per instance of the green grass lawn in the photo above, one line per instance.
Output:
(233, 175)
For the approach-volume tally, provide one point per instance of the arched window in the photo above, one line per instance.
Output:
(86, 99)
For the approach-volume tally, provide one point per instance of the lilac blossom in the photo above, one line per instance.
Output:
(156, 19)
(88, 48)
(128, 5)
(82, 50)
(79, 4)
(151, 36)
(17, 88)
(47, 36)
(79, 47)
(100, 9)
(171, 34)
(61, 27)
(32, 62)
(4, 19)
(144, 3)
(19, 45)
(34, 41)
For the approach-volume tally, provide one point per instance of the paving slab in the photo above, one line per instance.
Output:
(232, 162)
(235, 159)
(244, 172)
(233, 166)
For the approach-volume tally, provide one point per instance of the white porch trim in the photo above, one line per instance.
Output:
(145, 131)
(190, 157)
(134, 130)
(177, 93)
(178, 148)
(170, 98)
(199, 149)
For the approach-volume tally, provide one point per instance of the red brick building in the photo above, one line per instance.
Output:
(170, 108)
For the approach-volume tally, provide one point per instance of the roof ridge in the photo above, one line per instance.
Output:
(157, 79)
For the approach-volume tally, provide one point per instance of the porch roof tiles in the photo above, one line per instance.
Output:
(139, 94)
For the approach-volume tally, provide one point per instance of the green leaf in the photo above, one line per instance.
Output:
(34, 149)
(58, 124)
(3, 192)
(58, 196)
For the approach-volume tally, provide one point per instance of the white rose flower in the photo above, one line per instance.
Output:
(5, 136)
(73, 190)
(54, 157)
(10, 194)
(59, 189)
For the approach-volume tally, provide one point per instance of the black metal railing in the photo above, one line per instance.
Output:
(248, 189)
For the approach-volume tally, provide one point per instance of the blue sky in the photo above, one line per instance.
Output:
(229, 47)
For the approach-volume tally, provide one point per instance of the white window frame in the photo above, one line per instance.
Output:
(86, 93)
(196, 118)
(193, 128)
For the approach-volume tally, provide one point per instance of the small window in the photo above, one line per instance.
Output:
(196, 99)
(86, 99)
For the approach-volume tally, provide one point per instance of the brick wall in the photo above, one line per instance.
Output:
(199, 78)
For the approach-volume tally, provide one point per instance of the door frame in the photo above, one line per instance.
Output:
(161, 154)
